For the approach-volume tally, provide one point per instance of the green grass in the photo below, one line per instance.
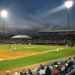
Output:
(9, 64)
(22, 47)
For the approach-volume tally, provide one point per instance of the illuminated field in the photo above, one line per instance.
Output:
(15, 56)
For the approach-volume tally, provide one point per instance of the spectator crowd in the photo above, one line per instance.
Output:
(66, 67)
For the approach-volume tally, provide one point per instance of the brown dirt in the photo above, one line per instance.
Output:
(14, 55)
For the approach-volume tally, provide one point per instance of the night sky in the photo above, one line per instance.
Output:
(35, 15)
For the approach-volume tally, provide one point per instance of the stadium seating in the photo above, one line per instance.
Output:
(65, 67)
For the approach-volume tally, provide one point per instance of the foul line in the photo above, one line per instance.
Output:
(36, 53)
(54, 50)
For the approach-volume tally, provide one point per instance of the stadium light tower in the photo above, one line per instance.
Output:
(4, 13)
(68, 4)
(3, 16)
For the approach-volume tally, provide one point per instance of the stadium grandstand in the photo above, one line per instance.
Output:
(40, 38)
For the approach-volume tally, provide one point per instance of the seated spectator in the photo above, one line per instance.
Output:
(42, 70)
(30, 72)
(48, 71)
(62, 69)
(71, 73)
(37, 71)
(73, 62)
(55, 63)
(66, 66)
(56, 70)
(23, 72)
(70, 64)
(8, 72)
(16, 73)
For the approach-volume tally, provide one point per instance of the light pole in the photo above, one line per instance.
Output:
(4, 15)
(68, 5)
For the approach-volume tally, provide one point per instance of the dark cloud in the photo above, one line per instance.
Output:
(35, 15)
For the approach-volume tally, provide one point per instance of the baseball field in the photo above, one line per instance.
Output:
(19, 55)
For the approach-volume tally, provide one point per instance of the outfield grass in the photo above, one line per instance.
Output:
(22, 47)
(9, 64)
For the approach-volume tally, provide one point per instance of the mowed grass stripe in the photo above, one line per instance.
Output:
(36, 59)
